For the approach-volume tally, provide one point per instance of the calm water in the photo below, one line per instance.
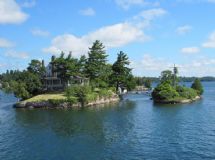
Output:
(136, 129)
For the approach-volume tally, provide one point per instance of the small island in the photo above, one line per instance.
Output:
(169, 91)
(68, 82)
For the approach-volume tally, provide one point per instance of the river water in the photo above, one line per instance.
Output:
(135, 129)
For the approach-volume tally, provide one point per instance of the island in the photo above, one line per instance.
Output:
(169, 90)
(68, 82)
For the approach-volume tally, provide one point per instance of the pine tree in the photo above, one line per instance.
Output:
(121, 73)
(96, 61)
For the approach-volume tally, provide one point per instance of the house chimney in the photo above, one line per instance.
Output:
(43, 63)
(53, 58)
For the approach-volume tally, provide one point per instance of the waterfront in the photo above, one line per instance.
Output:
(134, 129)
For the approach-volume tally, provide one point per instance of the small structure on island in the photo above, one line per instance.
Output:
(122, 89)
(53, 82)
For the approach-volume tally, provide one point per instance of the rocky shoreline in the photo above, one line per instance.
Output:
(48, 104)
(182, 101)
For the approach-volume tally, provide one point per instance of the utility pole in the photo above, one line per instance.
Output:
(175, 72)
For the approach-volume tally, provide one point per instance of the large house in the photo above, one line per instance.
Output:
(52, 81)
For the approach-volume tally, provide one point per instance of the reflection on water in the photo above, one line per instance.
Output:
(133, 129)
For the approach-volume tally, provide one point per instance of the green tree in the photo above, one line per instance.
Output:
(166, 76)
(65, 67)
(82, 66)
(36, 67)
(96, 62)
(164, 91)
(121, 72)
(197, 85)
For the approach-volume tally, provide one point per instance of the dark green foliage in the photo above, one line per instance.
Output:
(19, 89)
(164, 91)
(95, 67)
(197, 85)
(187, 93)
(66, 66)
(36, 67)
(96, 63)
(80, 92)
(24, 84)
(121, 75)
(166, 76)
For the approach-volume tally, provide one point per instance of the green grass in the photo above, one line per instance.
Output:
(46, 97)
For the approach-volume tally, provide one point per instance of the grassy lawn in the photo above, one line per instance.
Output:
(46, 97)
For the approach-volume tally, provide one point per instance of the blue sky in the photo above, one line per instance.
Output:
(156, 34)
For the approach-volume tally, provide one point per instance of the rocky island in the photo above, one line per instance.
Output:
(169, 91)
(68, 82)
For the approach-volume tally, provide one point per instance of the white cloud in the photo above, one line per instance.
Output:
(87, 12)
(29, 4)
(15, 54)
(190, 50)
(11, 12)
(210, 42)
(126, 4)
(149, 64)
(153, 66)
(144, 18)
(112, 36)
(151, 13)
(183, 29)
(4, 43)
(39, 32)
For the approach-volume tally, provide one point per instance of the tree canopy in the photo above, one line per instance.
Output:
(198, 86)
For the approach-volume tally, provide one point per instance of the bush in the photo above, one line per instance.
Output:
(187, 93)
(79, 92)
(197, 85)
(164, 91)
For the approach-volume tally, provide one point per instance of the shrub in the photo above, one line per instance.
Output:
(164, 91)
(78, 91)
(197, 85)
(187, 93)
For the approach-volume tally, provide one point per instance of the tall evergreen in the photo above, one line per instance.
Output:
(121, 72)
(96, 62)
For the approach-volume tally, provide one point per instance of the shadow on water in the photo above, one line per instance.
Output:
(71, 122)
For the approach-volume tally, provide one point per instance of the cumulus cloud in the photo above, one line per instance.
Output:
(11, 12)
(183, 29)
(39, 32)
(4, 43)
(153, 66)
(112, 36)
(190, 50)
(87, 12)
(210, 43)
(17, 55)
